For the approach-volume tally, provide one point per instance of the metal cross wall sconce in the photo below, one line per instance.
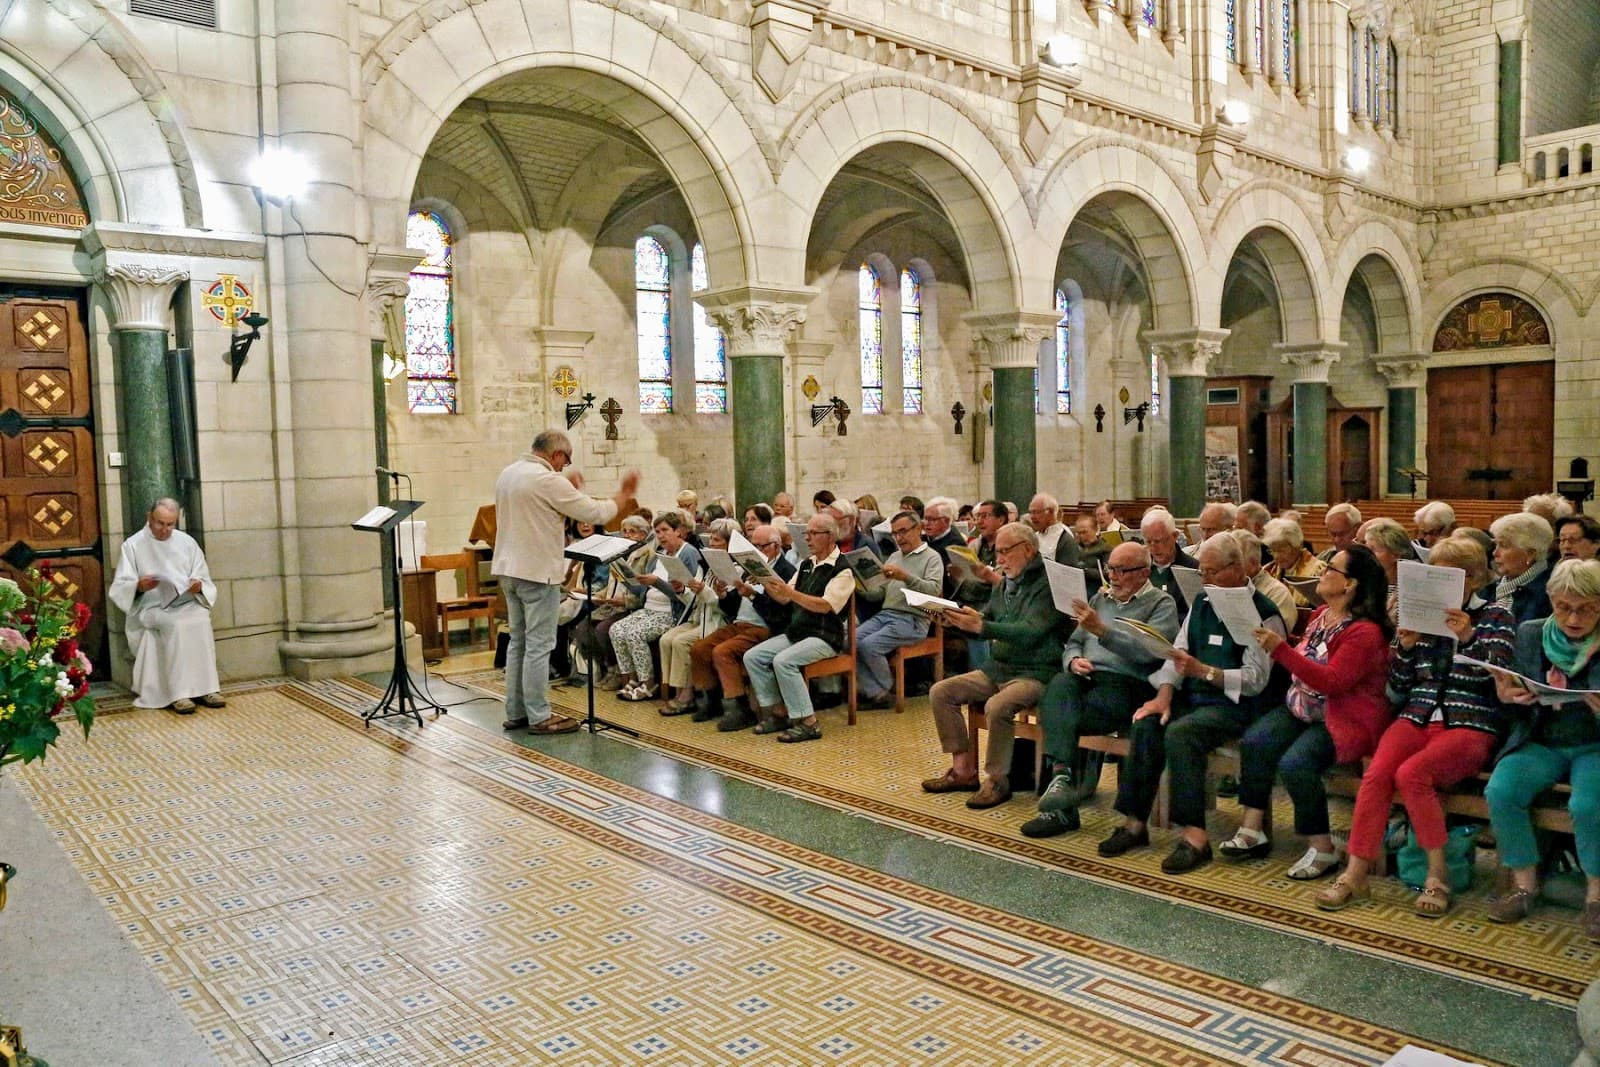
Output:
(611, 411)
(239, 346)
(1099, 418)
(1141, 413)
(958, 412)
(576, 411)
(835, 407)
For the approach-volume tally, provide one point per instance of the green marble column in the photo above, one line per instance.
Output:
(1186, 436)
(149, 468)
(1310, 443)
(1509, 110)
(1015, 436)
(756, 401)
(1402, 438)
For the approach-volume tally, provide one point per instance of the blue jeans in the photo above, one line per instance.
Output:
(774, 667)
(1521, 776)
(875, 639)
(532, 608)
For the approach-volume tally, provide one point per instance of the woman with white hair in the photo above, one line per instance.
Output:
(1550, 743)
(1522, 560)
(704, 616)
(1435, 521)
(1389, 542)
(1291, 560)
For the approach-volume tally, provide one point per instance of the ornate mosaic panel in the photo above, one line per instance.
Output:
(44, 390)
(53, 517)
(870, 315)
(1491, 320)
(48, 454)
(39, 327)
(35, 185)
(653, 312)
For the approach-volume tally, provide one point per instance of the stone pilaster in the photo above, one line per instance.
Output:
(807, 449)
(757, 323)
(1187, 355)
(1407, 374)
(1312, 363)
(1011, 339)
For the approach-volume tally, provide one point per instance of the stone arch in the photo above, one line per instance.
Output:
(107, 109)
(1288, 240)
(1150, 204)
(668, 91)
(976, 181)
(1377, 253)
(1554, 299)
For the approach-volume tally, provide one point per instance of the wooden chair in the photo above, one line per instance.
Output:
(932, 645)
(472, 605)
(844, 663)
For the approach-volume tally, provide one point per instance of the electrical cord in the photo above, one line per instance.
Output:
(304, 234)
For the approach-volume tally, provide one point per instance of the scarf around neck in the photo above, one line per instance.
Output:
(1506, 588)
(1566, 655)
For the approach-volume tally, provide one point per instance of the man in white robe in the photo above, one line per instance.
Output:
(164, 588)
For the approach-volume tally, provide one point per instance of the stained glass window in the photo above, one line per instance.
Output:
(652, 275)
(1232, 17)
(1149, 13)
(710, 348)
(1063, 354)
(1260, 32)
(1355, 71)
(1288, 40)
(1375, 79)
(430, 319)
(911, 341)
(1155, 384)
(1394, 88)
(870, 316)
(1036, 390)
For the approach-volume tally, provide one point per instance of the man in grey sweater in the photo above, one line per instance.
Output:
(1104, 678)
(913, 565)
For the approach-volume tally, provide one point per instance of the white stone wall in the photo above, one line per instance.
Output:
(1562, 50)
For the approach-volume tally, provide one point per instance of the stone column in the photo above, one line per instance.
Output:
(1311, 362)
(140, 295)
(757, 322)
(1406, 373)
(1012, 339)
(321, 354)
(1187, 355)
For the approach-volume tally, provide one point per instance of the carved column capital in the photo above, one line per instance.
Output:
(756, 320)
(1186, 353)
(1311, 361)
(140, 293)
(1402, 370)
(1011, 338)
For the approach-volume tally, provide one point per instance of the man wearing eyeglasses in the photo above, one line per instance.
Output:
(753, 617)
(1160, 532)
(912, 565)
(1055, 540)
(1025, 635)
(1208, 694)
(1104, 676)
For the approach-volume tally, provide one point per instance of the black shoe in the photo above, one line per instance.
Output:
(877, 703)
(515, 724)
(1185, 858)
(1051, 823)
(1123, 840)
(704, 710)
(734, 721)
(1060, 795)
(1227, 786)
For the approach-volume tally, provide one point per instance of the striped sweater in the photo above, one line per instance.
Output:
(1426, 677)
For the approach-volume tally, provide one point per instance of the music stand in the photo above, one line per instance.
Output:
(399, 699)
(598, 550)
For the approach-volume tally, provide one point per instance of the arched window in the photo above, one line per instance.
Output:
(652, 285)
(1155, 384)
(1063, 354)
(1355, 70)
(1394, 89)
(1260, 30)
(431, 386)
(1374, 79)
(1230, 12)
(870, 317)
(710, 348)
(911, 342)
(1288, 40)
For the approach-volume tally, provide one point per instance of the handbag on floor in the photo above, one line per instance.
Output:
(1411, 863)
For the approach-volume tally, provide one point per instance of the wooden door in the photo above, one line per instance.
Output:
(1491, 431)
(1352, 439)
(49, 495)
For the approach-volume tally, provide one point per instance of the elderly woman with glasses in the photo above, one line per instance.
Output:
(1578, 537)
(1521, 559)
(1551, 742)
(1448, 726)
(704, 616)
(1291, 561)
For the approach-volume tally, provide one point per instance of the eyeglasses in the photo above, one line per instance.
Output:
(1571, 540)
(999, 548)
(1207, 572)
(770, 544)
(1128, 570)
(1590, 610)
(904, 531)
(1341, 573)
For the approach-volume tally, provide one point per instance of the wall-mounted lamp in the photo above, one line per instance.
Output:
(958, 412)
(239, 347)
(1234, 113)
(279, 173)
(1141, 413)
(576, 411)
(611, 411)
(1357, 160)
(1061, 52)
(1099, 418)
(835, 407)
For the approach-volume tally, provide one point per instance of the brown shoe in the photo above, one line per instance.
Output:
(182, 707)
(948, 782)
(1590, 924)
(995, 792)
(555, 724)
(212, 700)
(1511, 906)
(1341, 894)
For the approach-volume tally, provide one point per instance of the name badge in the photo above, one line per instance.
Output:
(1216, 639)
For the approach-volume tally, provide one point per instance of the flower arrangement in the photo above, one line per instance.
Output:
(43, 672)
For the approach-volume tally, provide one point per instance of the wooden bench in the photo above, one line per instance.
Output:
(932, 645)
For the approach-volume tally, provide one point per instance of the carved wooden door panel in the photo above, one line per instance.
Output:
(1491, 431)
(49, 496)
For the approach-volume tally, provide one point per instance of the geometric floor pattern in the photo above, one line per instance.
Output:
(873, 768)
(316, 893)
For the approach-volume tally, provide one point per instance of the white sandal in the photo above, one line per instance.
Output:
(1314, 864)
(1246, 844)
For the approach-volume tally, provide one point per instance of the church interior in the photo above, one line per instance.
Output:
(285, 261)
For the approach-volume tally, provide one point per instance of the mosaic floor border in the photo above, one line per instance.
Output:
(1573, 962)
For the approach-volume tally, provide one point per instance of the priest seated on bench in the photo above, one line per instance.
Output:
(164, 588)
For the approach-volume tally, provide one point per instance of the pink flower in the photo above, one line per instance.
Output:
(81, 661)
(11, 640)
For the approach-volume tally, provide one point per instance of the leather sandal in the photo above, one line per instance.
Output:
(1434, 900)
(1341, 894)
(1246, 844)
(801, 731)
(769, 725)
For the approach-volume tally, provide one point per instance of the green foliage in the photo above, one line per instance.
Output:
(43, 673)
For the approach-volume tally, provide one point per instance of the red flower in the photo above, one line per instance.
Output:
(45, 570)
(25, 618)
(66, 649)
(80, 616)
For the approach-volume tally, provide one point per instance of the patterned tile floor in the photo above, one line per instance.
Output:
(313, 893)
(873, 769)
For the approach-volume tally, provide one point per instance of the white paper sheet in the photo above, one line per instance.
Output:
(930, 603)
(1152, 643)
(1236, 607)
(722, 565)
(1422, 550)
(1067, 584)
(1412, 1056)
(677, 570)
(1189, 583)
(1549, 695)
(603, 546)
(1426, 593)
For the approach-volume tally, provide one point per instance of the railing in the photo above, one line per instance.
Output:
(1564, 156)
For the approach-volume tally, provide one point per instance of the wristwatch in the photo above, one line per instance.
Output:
(1215, 677)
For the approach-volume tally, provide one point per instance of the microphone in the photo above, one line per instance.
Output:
(386, 471)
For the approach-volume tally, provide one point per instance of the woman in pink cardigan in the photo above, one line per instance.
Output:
(1335, 710)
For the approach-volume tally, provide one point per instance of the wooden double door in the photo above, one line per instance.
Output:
(49, 492)
(1491, 431)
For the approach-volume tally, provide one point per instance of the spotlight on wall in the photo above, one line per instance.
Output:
(239, 347)
(1357, 160)
(1061, 51)
(1234, 113)
(279, 173)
